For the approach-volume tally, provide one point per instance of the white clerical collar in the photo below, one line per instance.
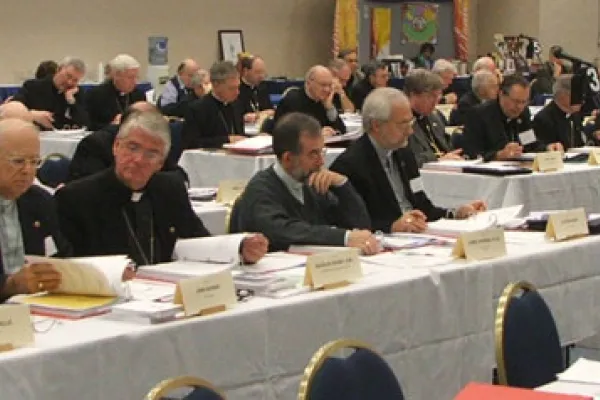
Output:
(217, 99)
(136, 196)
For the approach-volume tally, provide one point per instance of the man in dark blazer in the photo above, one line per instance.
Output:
(561, 121)
(315, 99)
(254, 98)
(384, 170)
(216, 118)
(132, 208)
(28, 220)
(297, 201)
(376, 75)
(501, 129)
(94, 153)
(107, 102)
(57, 101)
(428, 142)
(484, 86)
(178, 90)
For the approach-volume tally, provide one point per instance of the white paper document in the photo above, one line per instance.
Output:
(253, 145)
(214, 249)
(582, 371)
(480, 221)
(177, 270)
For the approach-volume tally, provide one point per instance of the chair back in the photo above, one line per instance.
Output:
(267, 125)
(176, 128)
(364, 374)
(185, 388)
(54, 170)
(528, 352)
(457, 139)
(233, 222)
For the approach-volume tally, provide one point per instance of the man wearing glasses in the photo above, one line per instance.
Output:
(384, 171)
(297, 201)
(133, 208)
(316, 100)
(28, 220)
(501, 129)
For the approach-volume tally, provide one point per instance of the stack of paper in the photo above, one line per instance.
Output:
(504, 217)
(254, 145)
(202, 194)
(350, 135)
(178, 270)
(145, 312)
(274, 273)
(450, 165)
(66, 306)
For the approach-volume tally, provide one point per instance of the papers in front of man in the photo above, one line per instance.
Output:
(255, 145)
(89, 286)
(353, 134)
(450, 165)
(504, 217)
(224, 249)
(202, 194)
(143, 311)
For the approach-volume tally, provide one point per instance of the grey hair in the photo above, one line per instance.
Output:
(222, 70)
(151, 122)
(197, 80)
(378, 105)
(440, 66)
(337, 64)
(483, 63)
(562, 84)
(480, 78)
(76, 63)
(420, 80)
(123, 62)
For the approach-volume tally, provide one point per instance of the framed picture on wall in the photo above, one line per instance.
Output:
(231, 43)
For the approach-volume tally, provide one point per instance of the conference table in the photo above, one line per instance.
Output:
(577, 185)
(63, 143)
(431, 317)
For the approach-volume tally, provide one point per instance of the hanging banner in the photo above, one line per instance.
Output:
(345, 31)
(381, 31)
(461, 28)
(419, 22)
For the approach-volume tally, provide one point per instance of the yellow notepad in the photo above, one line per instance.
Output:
(67, 302)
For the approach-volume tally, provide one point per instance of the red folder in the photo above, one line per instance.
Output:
(484, 391)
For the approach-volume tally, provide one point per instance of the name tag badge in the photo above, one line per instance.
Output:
(416, 185)
(49, 246)
(527, 137)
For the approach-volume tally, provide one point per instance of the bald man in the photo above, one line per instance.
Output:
(316, 100)
(94, 153)
(178, 89)
(28, 220)
(15, 109)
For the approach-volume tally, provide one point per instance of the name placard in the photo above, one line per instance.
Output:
(594, 157)
(567, 224)
(332, 269)
(229, 190)
(480, 245)
(15, 326)
(206, 294)
(548, 161)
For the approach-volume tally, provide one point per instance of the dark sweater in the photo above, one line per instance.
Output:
(267, 206)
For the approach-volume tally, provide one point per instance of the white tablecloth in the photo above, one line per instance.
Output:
(208, 168)
(578, 185)
(213, 215)
(50, 143)
(434, 326)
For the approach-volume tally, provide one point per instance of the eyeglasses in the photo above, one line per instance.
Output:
(517, 101)
(405, 124)
(21, 162)
(148, 155)
(317, 153)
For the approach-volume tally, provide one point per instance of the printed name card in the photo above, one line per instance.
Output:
(332, 269)
(480, 245)
(15, 326)
(594, 157)
(567, 224)
(230, 190)
(206, 294)
(548, 161)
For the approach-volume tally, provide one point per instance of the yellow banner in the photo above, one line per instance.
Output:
(381, 31)
(345, 26)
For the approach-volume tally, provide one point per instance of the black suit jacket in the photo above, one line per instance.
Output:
(361, 165)
(267, 206)
(418, 142)
(467, 101)
(253, 99)
(104, 103)
(487, 131)
(91, 214)
(94, 153)
(551, 125)
(41, 94)
(360, 91)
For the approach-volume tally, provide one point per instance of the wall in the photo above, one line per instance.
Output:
(290, 34)
(510, 17)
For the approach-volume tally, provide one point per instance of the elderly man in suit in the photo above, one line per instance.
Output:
(501, 129)
(560, 121)
(28, 220)
(384, 170)
(429, 142)
(484, 86)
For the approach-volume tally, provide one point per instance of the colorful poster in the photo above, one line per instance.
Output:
(419, 22)
(345, 33)
(381, 31)
(461, 28)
